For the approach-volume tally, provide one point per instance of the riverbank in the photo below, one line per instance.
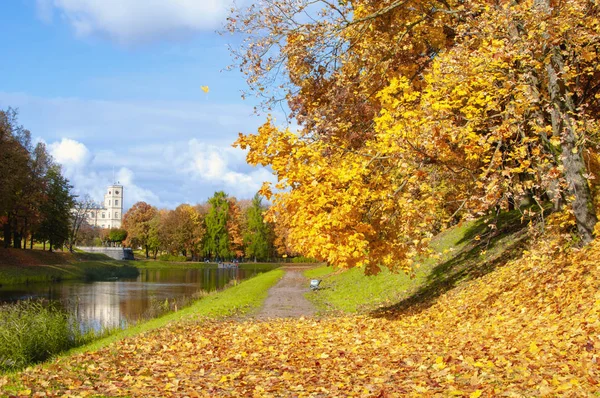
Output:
(243, 298)
(19, 266)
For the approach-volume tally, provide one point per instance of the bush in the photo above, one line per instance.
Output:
(170, 257)
(33, 331)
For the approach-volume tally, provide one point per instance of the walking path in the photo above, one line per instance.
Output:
(286, 299)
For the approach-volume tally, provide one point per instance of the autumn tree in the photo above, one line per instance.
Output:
(27, 175)
(14, 173)
(187, 230)
(137, 223)
(235, 226)
(413, 114)
(154, 233)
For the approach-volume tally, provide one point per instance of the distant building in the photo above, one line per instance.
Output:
(110, 213)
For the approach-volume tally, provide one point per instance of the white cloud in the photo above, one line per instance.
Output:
(213, 164)
(134, 21)
(134, 193)
(69, 152)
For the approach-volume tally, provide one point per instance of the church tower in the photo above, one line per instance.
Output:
(113, 203)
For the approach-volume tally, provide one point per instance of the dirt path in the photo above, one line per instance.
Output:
(286, 299)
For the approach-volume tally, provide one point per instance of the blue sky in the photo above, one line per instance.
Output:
(114, 86)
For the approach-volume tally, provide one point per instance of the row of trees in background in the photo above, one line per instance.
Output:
(35, 198)
(221, 229)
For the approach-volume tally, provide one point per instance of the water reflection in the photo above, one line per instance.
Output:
(118, 303)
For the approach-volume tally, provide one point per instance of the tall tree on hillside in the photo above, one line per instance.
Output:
(137, 223)
(216, 241)
(257, 236)
(14, 172)
(56, 209)
(416, 113)
(40, 164)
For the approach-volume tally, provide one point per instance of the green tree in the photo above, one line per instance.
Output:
(56, 209)
(257, 235)
(117, 235)
(216, 242)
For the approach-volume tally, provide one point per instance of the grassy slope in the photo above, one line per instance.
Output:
(461, 256)
(29, 266)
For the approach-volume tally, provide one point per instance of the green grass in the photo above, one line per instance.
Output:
(466, 251)
(33, 331)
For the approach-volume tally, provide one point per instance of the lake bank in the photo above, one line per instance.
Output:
(241, 298)
(19, 266)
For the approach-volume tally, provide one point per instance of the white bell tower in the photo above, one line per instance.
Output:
(113, 203)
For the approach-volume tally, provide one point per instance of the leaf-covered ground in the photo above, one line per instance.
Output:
(530, 328)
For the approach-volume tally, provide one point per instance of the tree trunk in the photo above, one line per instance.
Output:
(572, 156)
(147, 250)
(51, 249)
(16, 239)
(7, 234)
(31, 242)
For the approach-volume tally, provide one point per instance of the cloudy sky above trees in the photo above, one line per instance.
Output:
(113, 88)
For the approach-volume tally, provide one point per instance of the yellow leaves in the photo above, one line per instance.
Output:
(439, 363)
(533, 348)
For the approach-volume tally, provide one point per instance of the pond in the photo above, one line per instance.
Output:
(123, 302)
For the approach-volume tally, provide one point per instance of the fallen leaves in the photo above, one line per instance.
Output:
(531, 328)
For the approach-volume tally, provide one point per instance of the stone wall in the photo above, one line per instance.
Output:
(118, 253)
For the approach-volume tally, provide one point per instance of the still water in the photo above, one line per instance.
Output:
(119, 303)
